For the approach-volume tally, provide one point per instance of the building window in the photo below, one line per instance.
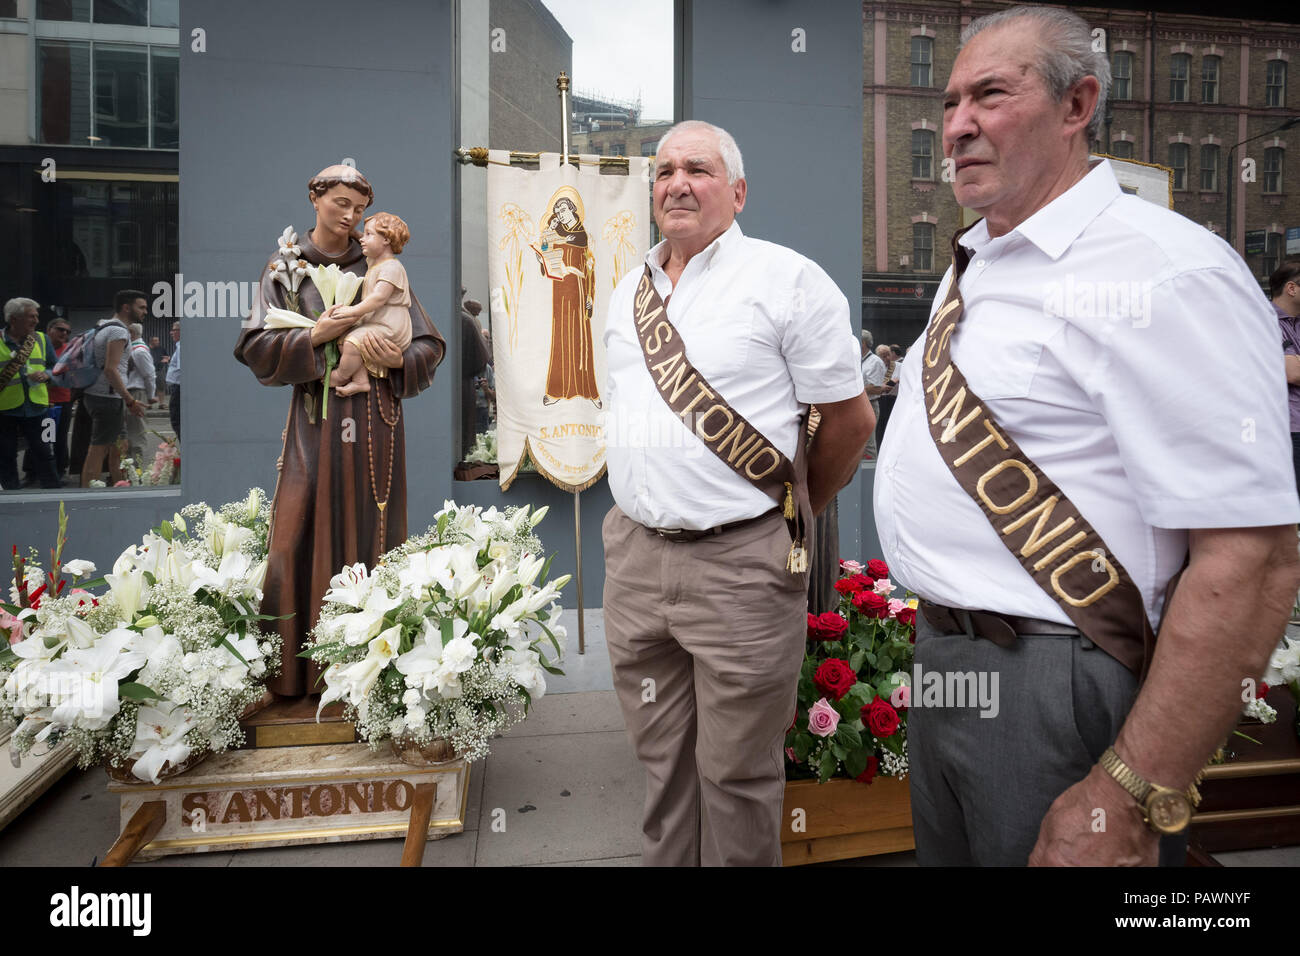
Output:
(617, 149)
(121, 96)
(648, 147)
(922, 154)
(62, 92)
(1210, 79)
(131, 13)
(165, 13)
(1178, 162)
(1209, 169)
(1272, 253)
(1179, 66)
(9, 9)
(1121, 73)
(1273, 169)
(75, 10)
(923, 246)
(922, 61)
(1122, 149)
(1275, 83)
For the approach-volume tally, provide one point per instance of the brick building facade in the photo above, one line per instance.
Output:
(1187, 90)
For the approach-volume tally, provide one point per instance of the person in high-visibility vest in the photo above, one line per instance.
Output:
(25, 359)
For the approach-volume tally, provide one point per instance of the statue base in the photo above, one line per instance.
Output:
(291, 722)
(333, 793)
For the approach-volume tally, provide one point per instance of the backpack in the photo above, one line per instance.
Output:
(76, 367)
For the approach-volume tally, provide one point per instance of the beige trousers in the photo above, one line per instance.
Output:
(705, 642)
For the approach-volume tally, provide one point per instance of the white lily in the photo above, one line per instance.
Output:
(426, 568)
(278, 318)
(326, 279)
(160, 739)
(529, 568)
(502, 585)
(346, 290)
(214, 533)
(129, 591)
(234, 567)
(350, 586)
(538, 515)
(254, 504)
(86, 679)
(384, 647)
(235, 537)
(179, 523)
(79, 568)
(445, 682)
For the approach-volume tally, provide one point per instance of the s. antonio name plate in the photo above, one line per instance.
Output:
(333, 793)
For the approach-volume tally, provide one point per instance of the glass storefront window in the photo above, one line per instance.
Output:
(121, 96)
(132, 13)
(75, 10)
(165, 13)
(62, 92)
(166, 99)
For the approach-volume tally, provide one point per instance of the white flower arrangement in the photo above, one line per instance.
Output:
(163, 664)
(446, 636)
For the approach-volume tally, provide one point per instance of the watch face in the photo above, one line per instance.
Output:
(1169, 811)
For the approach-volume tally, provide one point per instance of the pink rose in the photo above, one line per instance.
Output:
(895, 605)
(853, 567)
(823, 718)
(884, 587)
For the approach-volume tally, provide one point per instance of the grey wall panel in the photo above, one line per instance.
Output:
(277, 96)
(798, 120)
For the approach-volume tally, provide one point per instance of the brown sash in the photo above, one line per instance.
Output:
(1053, 542)
(722, 429)
(18, 360)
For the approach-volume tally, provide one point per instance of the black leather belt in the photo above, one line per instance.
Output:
(1001, 629)
(690, 534)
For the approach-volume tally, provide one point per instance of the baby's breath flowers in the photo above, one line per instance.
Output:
(447, 636)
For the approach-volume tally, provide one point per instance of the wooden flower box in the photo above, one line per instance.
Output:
(844, 819)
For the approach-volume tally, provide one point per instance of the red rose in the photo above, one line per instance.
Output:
(1263, 690)
(826, 627)
(871, 604)
(877, 568)
(872, 765)
(834, 678)
(906, 616)
(881, 718)
(854, 584)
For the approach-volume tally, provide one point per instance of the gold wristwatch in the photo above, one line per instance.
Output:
(1165, 810)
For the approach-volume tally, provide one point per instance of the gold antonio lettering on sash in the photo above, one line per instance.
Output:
(703, 432)
(1112, 578)
(1031, 488)
(768, 452)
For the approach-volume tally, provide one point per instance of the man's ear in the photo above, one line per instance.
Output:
(741, 188)
(1081, 103)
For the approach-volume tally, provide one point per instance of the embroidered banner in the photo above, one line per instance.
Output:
(559, 240)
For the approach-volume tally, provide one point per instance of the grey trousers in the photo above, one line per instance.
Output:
(982, 785)
(705, 642)
(871, 442)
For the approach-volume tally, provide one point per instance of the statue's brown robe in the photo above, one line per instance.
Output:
(325, 513)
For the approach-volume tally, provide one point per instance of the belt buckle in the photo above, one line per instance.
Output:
(669, 533)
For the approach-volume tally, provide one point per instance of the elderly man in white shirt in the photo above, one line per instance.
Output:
(705, 620)
(1085, 313)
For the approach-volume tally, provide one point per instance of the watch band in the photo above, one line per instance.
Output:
(1140, 788)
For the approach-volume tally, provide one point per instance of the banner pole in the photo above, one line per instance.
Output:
(577, 540)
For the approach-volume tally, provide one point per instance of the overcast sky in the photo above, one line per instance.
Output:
(621, 48)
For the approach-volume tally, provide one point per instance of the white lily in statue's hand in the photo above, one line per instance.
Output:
(346, 288)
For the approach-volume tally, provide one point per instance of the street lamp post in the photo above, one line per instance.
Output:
(1232, 169)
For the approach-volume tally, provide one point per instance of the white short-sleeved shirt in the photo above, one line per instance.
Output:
(1094, 333)
(770, 332)
(873, 370)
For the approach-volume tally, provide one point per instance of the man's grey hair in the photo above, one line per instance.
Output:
(136, 330)
(868, 339)
(1065, 53)
(18, 306)
(731, 157)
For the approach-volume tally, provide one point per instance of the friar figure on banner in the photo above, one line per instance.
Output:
(566, 259)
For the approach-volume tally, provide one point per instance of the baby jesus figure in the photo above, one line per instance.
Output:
(384, 306)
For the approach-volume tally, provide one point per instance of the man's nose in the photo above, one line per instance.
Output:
(958, 124)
